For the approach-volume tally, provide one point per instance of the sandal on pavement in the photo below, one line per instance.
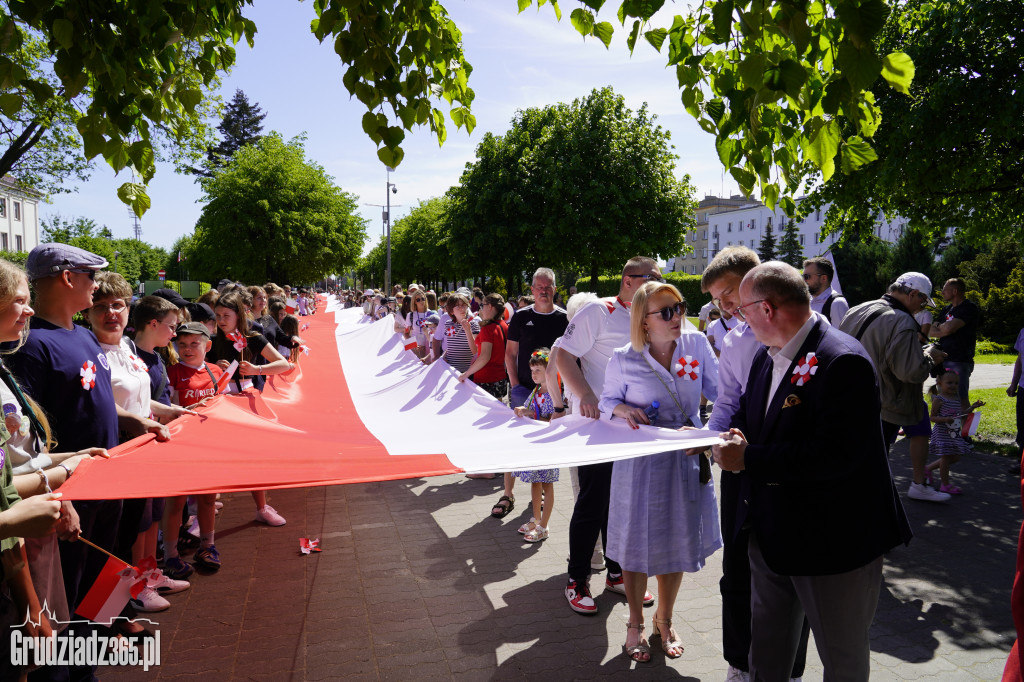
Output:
(537, 534)
(528, 526)
(504, 506)
(641, 651)
(672, 642)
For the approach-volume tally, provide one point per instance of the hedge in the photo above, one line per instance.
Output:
(688, 285)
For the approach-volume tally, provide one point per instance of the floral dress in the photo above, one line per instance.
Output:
(543, 406)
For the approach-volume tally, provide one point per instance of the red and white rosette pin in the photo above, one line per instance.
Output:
(688, 368)
(804, 370)
(88, 374)
(238, 340)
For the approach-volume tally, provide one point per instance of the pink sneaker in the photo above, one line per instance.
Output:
(949, 489)
(268, 515)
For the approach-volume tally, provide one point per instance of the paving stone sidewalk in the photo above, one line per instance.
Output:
(417, 581)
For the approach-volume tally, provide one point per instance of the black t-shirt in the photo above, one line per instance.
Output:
(224, 349)
(534, 330)
(960, 345)
(159, 383)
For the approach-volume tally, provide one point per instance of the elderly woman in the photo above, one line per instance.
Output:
(663, 518)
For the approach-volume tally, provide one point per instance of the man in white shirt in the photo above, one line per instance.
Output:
(596, 330)
(818, 274)
(702, 316)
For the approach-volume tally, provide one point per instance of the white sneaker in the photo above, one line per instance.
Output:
(268, 515)
(597, 559)
(920, 491)
(149, 601)
(737, 675)
(164, 585)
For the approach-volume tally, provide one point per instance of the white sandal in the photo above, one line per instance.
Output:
(528, 526)
(537, 534)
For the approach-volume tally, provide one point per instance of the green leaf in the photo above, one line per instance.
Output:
(898, 71)
(190, 98)
(656, 37)
(392, 136)
(583, 21)
(729, 151)
(744, 178)
(859, 64)
(770, 195)
(631, 38)
(64, 33)
(715, 109)
(788, 206)
(134, 194)
(523, 4)
(820, 145)
(390, 157)
(10, 104)
(603, 31)
(856, 152)
(751, 71)
(721, 16)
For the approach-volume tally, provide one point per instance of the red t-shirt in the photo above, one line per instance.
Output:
(494, 370)
(190, 385)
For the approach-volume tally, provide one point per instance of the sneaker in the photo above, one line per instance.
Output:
(175, 567)
(164, 585)
(949, 489)
(616, 584)
(208, 557)
(579, 598)
(268, 515)
(597, 559)
(737, 675)
(920, 491)
(149, 601)
(186, 540)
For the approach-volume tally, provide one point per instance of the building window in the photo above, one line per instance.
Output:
(705, 235)
(751, 243)
(753, 223)
(817, 238)
(730, 228)
(3, 208)
(704, 254)
(3, 241)
(693, 269)
(18, 246)
(801, 240)
(769, 222)
(17, 210)
(818, 215)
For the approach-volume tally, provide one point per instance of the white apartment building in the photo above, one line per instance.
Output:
(19, 217)
(745, 225)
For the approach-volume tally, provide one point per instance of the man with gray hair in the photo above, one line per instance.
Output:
(535, 326)
(823, 506)
(890, 334)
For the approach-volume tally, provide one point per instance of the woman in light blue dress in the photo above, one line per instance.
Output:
(663, 519)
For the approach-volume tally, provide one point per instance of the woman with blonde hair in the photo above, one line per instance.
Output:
(662, 514)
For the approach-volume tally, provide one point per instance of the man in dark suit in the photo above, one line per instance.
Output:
(823, 508)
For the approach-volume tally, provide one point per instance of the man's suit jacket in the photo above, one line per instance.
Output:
(821, 496)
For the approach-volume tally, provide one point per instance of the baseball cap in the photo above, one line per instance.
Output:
(172, 296)
(193, 328)
(50, 258)
(917, 282)
(464, 291)
(433, 319)
(200, 312)
(369, 292)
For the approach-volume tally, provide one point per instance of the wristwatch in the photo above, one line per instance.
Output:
(559, 409)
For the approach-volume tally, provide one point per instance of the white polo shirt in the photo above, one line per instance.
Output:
(597, 329)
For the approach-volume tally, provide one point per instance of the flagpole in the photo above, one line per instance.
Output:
(95, 546)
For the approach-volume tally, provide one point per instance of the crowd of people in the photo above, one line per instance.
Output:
(87, 363)
(780, 363)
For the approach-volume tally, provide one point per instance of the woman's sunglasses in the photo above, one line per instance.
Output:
(670, 311)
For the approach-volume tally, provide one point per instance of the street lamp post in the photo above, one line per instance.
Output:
(389, 190)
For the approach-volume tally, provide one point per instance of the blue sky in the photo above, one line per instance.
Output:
(519, 61)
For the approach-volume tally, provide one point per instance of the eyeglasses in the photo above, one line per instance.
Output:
(115, 307)
(808, 275)
(91, 274)
(654, 278)
(670, 311)
(739, 311)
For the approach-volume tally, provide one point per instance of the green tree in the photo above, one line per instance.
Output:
(912, 252)
(790, 250)
(860, 265)
(581, 187)
(241, 124)
(271, 214)
(420, 245)
(1004, 308)
(766, 250)
(993, 264)
(780, 84)
(951, 156)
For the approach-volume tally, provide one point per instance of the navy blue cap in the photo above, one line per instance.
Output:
(49, 259)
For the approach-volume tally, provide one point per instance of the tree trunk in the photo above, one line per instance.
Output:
(593, 276)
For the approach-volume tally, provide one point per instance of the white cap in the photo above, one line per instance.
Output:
(917, 282)
(368, 292)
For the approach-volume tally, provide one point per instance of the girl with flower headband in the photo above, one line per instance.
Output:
(539, 406)
(235, 341)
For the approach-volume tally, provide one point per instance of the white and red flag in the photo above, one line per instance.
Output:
(116, 584)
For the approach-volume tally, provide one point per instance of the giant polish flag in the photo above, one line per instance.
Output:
(362, 408)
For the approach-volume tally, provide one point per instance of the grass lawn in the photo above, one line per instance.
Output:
(998, 427)
(995, 359)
